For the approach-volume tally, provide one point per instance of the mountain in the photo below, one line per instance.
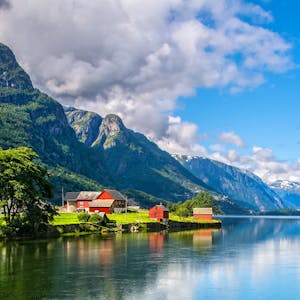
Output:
(132, 159)
(289, 191)
(30, 118)
(242, 187)
(94, 152)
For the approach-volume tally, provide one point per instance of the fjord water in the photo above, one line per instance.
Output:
(250, 258)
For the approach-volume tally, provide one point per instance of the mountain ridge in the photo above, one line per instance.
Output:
(242, 186)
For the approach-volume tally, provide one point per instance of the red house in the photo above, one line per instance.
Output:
(106, 206)
(84, 199)
(159, 212)
(80, 200)
(203, 213)
(119, 204)
(108, 201)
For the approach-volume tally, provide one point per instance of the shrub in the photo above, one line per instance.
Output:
(83, 216)
(95, 218)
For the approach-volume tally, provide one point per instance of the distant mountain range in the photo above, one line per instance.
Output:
(289, 191)
(244, 188)
(84, 151)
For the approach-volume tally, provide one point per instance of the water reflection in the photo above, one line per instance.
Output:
(248, 259)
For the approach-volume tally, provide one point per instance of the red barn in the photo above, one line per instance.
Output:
(159, 212)
(84, 199)
(203, 213)
(120, 203)
(108, 201)
(106, 206)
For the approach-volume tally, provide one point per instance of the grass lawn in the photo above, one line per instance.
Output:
(140, 217)
(65, 219)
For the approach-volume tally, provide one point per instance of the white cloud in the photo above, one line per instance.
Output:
(261, 162)
(181, 138)
(231, 138)
(217, 147)
(135, 58)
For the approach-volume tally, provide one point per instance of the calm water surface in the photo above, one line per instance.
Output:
(250, 258)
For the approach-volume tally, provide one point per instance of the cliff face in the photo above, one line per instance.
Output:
(11, 74)
(242, 187)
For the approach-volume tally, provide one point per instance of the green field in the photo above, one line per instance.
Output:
(140, 217)
(65, 219)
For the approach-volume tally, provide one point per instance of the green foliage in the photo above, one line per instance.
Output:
(185, 209)
(96, 219)
(24, 188)
(182, 211)
(83, 216)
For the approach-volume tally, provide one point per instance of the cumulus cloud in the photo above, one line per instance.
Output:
(135, 58)
(181, 138)
(262, 162)
(4, 4)
(231, 138)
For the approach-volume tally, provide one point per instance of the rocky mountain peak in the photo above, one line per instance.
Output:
(86, 124)
(111, 131)
(11, 74)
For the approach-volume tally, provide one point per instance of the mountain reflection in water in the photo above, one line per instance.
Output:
(250, 258)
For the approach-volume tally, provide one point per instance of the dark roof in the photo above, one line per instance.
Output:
(71, 195)
(87, 195)
(115, 194)
(101, 203)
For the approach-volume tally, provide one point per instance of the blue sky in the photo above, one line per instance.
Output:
(266, 116)
(215, 78)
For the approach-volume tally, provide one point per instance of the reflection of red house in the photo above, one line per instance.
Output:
(203, 213)
(159, 212)
(156, 242)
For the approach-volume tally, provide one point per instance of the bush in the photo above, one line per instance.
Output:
(83, 216)
(95, 218)
(182, 212)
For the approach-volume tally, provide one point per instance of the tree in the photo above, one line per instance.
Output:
(185, 209)
(24, 187)
(182, 212)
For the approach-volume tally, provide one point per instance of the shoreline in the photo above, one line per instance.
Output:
(56, 231)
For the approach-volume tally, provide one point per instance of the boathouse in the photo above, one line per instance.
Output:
(204, 213)
(159, 212)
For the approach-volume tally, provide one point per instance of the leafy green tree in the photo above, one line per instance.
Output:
(203, 199)
(185, 209)
(24, 188)
(182, 212)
